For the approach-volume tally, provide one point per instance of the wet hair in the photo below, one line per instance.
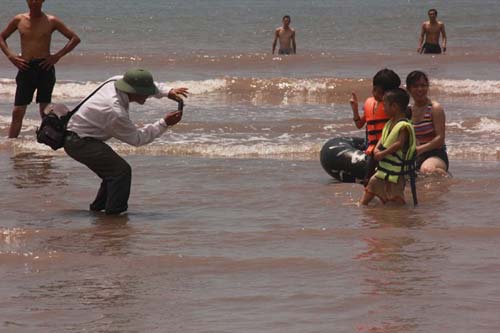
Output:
(288, 17)
(432, 10)
(398, 96)
(386, 79)
(414, 77)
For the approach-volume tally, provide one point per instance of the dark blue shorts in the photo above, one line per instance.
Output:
(35, 78)
(431, 48)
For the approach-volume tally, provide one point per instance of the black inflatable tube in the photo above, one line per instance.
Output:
(344, 159)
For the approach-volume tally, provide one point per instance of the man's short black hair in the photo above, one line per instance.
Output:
(288, 17)
(398, 96)
(386, 79)
(432, 10)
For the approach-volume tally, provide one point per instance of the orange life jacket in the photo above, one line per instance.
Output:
(375, 120)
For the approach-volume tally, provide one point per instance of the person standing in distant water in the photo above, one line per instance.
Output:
(286, 36)
(36, 63)
(431, 33)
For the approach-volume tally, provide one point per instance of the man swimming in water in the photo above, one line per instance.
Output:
(36, 62)
(286, 36)
(431, 32)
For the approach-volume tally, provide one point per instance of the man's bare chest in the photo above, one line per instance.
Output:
(285, 34)
(33, 30)
(433, 28)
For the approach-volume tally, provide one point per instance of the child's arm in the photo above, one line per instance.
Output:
(400, 142)
(359, 121)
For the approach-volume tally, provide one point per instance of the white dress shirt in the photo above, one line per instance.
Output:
(106, 115)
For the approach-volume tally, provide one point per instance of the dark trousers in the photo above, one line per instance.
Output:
(114, 171)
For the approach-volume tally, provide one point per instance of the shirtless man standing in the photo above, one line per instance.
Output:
(286, 36)
(431, 31)
(36, 63)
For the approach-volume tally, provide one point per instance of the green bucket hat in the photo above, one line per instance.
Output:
(137, 81)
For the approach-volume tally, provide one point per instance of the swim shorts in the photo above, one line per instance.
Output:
(285, 51)
(35, 78)
(431, 48)
(439, 153)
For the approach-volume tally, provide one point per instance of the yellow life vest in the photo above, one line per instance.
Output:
(397, 164)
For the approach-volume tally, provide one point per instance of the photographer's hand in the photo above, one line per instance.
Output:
(177, 93)
(173, 118)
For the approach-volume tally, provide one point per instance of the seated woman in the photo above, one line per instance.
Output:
(429, 123)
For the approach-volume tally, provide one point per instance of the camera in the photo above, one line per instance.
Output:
(180, 105)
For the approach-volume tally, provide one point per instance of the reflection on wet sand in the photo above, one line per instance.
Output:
(31, 170)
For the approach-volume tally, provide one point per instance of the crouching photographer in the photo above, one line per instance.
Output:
(105, 115)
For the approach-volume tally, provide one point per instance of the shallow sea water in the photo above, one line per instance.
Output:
(225, 245)
(233, 225)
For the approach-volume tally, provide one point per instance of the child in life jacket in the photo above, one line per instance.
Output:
(373, 113)
(395, 152)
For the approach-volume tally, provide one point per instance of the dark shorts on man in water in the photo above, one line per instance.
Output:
(285, 51)
(439, 153)
(35, 78)
(431, 48)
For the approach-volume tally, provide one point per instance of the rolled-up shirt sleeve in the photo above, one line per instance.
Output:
(123, 129)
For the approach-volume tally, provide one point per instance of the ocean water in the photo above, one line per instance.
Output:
(159, 27)
(233, 225)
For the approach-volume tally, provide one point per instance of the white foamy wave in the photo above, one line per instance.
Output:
(271, 150)
(454, 124)
(308, 86)
(227, 149)
(482, 126)
(7, 87)
(63, 89)
(485, 125)
(279, 149)
(29, 124)
(284, 87)
(200, 87)
(27, 144)
(468, 87)
(474, 152)
(4, 121)
(70, 90)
